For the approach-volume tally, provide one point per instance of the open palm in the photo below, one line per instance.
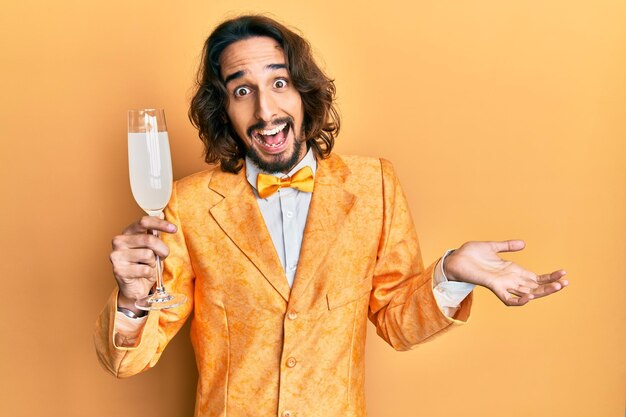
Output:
(479, 263)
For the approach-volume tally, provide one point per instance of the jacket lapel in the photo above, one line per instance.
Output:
(239, 217)
(330, 204)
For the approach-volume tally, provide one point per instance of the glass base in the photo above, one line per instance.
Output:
(160, 300)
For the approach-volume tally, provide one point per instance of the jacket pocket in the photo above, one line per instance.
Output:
(349, 294)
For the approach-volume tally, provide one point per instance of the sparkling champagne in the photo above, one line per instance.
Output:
(150, 168)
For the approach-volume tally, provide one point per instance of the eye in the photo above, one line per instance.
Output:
(241, 91)
(280, 83)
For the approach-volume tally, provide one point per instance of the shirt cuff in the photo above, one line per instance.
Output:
(449, 294)
(127, 331)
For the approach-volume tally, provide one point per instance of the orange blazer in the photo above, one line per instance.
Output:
(263, 349)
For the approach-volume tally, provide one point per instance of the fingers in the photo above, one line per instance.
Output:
(134, 256)
(121, 243)
(550, 288)
(550, 283)
(522, 290)
(508, 245)
(554, 276)
(131, 272)
(512, 301)
(149, 223)
(523, 294)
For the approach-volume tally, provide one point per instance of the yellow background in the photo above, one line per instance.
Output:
(503, 120)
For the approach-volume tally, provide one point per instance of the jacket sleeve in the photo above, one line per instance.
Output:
(161, 325)
(402, 304)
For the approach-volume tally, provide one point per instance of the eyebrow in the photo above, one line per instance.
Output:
(239, 74)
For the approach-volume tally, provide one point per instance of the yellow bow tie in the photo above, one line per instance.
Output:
(301, 180)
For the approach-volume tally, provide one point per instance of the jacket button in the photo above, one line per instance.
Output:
(292, 315)
(291, 362)
(288, 413)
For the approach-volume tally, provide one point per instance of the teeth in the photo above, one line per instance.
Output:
(273, 145)
(272, 131)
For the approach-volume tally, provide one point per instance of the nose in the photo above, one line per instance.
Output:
(266, 108)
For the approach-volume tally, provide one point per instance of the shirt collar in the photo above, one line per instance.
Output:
(252, 171)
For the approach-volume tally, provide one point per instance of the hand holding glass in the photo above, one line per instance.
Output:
(150, 168)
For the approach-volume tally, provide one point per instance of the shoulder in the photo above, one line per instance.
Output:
(197, 187)
(360, 175)
(363, 166)
(357, 163)
(198, 180)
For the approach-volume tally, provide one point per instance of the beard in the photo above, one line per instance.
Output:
(278, 163)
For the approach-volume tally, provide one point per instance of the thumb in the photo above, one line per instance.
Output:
(508, 245)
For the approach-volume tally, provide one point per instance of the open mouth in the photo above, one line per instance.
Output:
(272, 139)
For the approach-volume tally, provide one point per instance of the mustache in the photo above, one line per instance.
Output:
(265, 126)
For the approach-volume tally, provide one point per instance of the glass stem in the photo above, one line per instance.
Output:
(159, 276)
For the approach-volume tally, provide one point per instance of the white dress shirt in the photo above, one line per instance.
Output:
(285, 214)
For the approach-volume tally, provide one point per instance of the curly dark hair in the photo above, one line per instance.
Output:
(208, 106)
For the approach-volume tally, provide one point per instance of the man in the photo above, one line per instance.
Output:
(281, 280)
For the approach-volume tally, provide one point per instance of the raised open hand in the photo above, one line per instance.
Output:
(479, 263)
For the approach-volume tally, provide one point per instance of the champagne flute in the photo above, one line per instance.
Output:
(150, 168)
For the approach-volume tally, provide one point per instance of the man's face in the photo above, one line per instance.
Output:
(263, 106)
